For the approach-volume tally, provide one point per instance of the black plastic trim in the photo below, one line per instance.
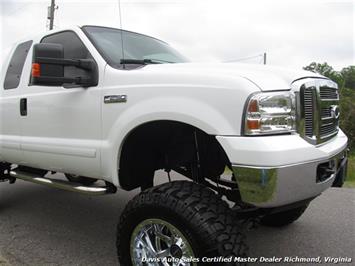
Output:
(95, 71)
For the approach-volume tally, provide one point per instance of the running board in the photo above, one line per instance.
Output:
(64, 185)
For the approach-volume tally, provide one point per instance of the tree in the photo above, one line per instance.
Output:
(347, 114)
(326, 70)
(348, 74)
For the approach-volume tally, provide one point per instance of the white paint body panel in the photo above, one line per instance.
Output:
(279, 151)
(73, 131)
(10, 129)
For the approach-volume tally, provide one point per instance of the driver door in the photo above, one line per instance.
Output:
(61, 128)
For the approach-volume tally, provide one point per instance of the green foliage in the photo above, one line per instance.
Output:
(347, 114)
(348, 74)
(325, 70)
(350, 180)
(346, 82)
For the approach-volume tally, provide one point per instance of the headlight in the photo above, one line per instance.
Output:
(270, 113)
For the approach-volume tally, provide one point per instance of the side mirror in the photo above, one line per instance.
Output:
(46, 74)
(48, 67)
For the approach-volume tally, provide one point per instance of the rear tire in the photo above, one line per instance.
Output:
(283, 218)
(203, 222)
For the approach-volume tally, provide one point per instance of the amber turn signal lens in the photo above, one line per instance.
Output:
(253, 106)
(36, 70)
(253, 124)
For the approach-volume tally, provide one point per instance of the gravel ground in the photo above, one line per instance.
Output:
(42, 226)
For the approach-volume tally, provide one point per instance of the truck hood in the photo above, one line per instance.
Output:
(266, 77)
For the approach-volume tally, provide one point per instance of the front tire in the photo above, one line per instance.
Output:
(178, 220)
(284, 218)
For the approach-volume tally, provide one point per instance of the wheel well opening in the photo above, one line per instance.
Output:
(169, 145)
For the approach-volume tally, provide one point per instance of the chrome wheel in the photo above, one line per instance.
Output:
(157, 242)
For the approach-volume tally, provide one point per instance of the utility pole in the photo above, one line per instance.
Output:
(265, 58)
(51, 14)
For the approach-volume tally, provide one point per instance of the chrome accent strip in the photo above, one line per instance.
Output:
(115, 98)
(60, 184)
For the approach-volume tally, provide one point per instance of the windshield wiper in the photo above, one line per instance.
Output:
(139, 61)
(160, 60)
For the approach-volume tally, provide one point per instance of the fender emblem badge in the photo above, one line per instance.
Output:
(115, 99)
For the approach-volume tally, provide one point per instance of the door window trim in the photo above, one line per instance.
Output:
(14, 85)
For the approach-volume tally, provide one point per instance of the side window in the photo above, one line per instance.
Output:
(13, 73)
(73, 49)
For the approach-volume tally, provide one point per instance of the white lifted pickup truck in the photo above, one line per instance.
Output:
(108, 108)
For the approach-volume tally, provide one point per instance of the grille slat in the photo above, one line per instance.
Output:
(328, 129)
(326, 112)
(327, 93)
(308, 112)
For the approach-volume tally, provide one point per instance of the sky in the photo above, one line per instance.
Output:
(293, 33)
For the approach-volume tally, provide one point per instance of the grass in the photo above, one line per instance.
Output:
(350, 180)
(3, 262)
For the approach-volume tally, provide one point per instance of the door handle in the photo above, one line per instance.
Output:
(23, 106)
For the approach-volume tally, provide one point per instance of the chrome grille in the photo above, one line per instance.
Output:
(317, 109)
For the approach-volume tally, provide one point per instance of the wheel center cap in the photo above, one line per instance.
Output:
(176, 251)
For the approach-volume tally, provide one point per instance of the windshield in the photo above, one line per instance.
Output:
(108, 42)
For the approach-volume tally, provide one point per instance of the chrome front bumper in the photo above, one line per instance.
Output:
(267, 187)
